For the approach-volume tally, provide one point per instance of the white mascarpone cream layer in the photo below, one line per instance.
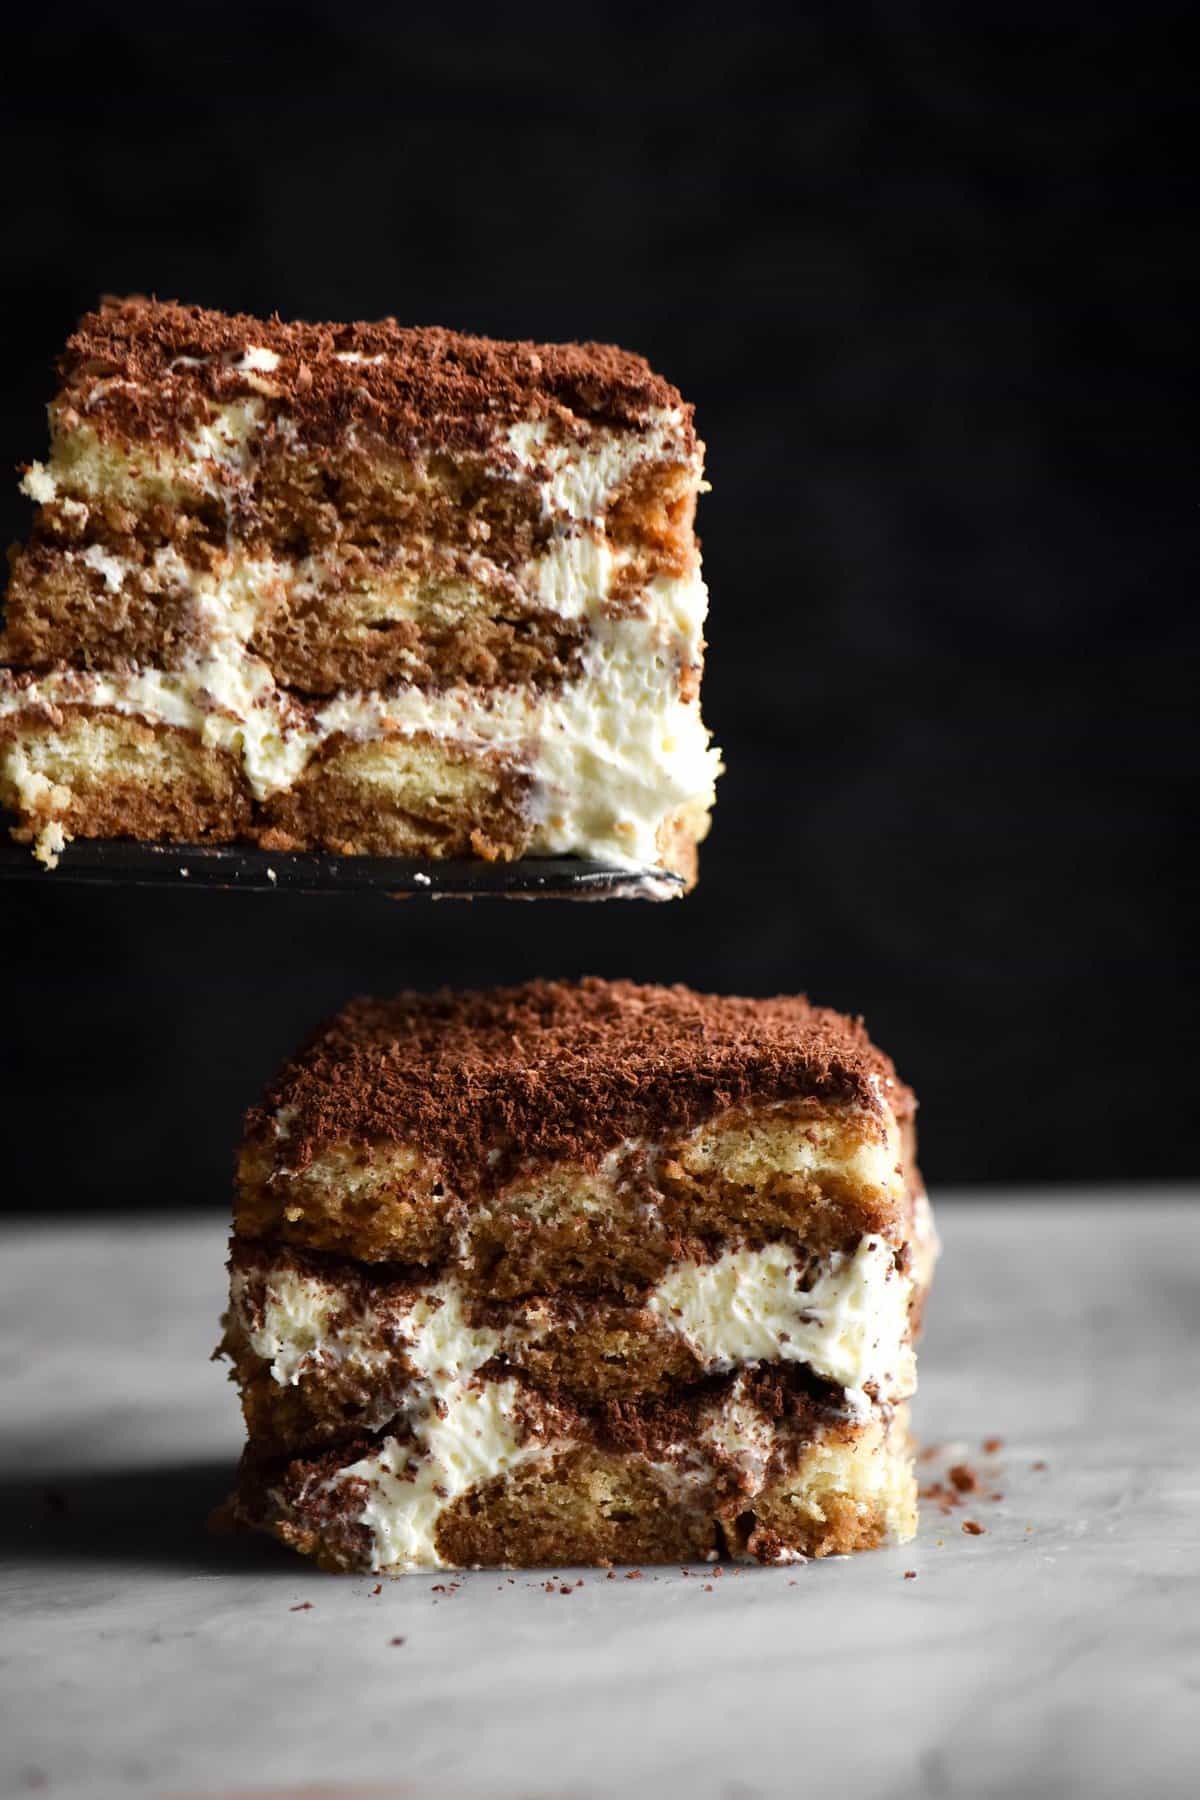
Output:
(846, 1317)
(235, 591)
(464, 1432)
(848, 1321)
(612, 754)
(577, 478)
(849, 1324)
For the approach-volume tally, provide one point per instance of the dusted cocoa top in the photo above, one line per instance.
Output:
(134, 365)
(482, 1079)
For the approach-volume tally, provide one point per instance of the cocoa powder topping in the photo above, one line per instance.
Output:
(487, 1080)
(137, 367)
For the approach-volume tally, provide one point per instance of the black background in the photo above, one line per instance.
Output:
(924, 273)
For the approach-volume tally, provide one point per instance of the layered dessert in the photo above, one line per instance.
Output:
(579, 1273)
(359, 588)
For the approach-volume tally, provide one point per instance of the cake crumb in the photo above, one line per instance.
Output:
(910, 1574)
(304, 1606)
(964, 1478)
(396, 1642)
(973, 1527)
(947, 1498)
(991, 1445)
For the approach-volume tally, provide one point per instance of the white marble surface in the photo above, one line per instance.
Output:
(1058, 1654)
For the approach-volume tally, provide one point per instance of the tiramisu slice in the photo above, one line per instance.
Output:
(360, 588)
(579, 1274)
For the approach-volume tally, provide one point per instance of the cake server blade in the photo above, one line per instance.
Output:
(117, 861)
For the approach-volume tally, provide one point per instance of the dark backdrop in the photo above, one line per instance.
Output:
(923, 274)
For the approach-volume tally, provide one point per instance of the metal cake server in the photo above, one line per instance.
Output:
(113, 861)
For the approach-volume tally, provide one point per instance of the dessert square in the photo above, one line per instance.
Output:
(358, 588)
(579, 1273)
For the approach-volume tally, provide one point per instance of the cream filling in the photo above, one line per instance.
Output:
(740, 1435)
(470, 1439)
(850, 1324)
(473, 1435)
(612, 755)
(577, 477)
(464, 1432)
(572, 577)
(848, 1320)
(579, 481)
(291, 1328)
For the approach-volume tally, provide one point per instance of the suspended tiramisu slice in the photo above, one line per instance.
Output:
(579, 1273)
(361, 588)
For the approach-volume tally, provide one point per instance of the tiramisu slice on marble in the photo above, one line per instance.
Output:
(359, 588)
(579, 1274)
